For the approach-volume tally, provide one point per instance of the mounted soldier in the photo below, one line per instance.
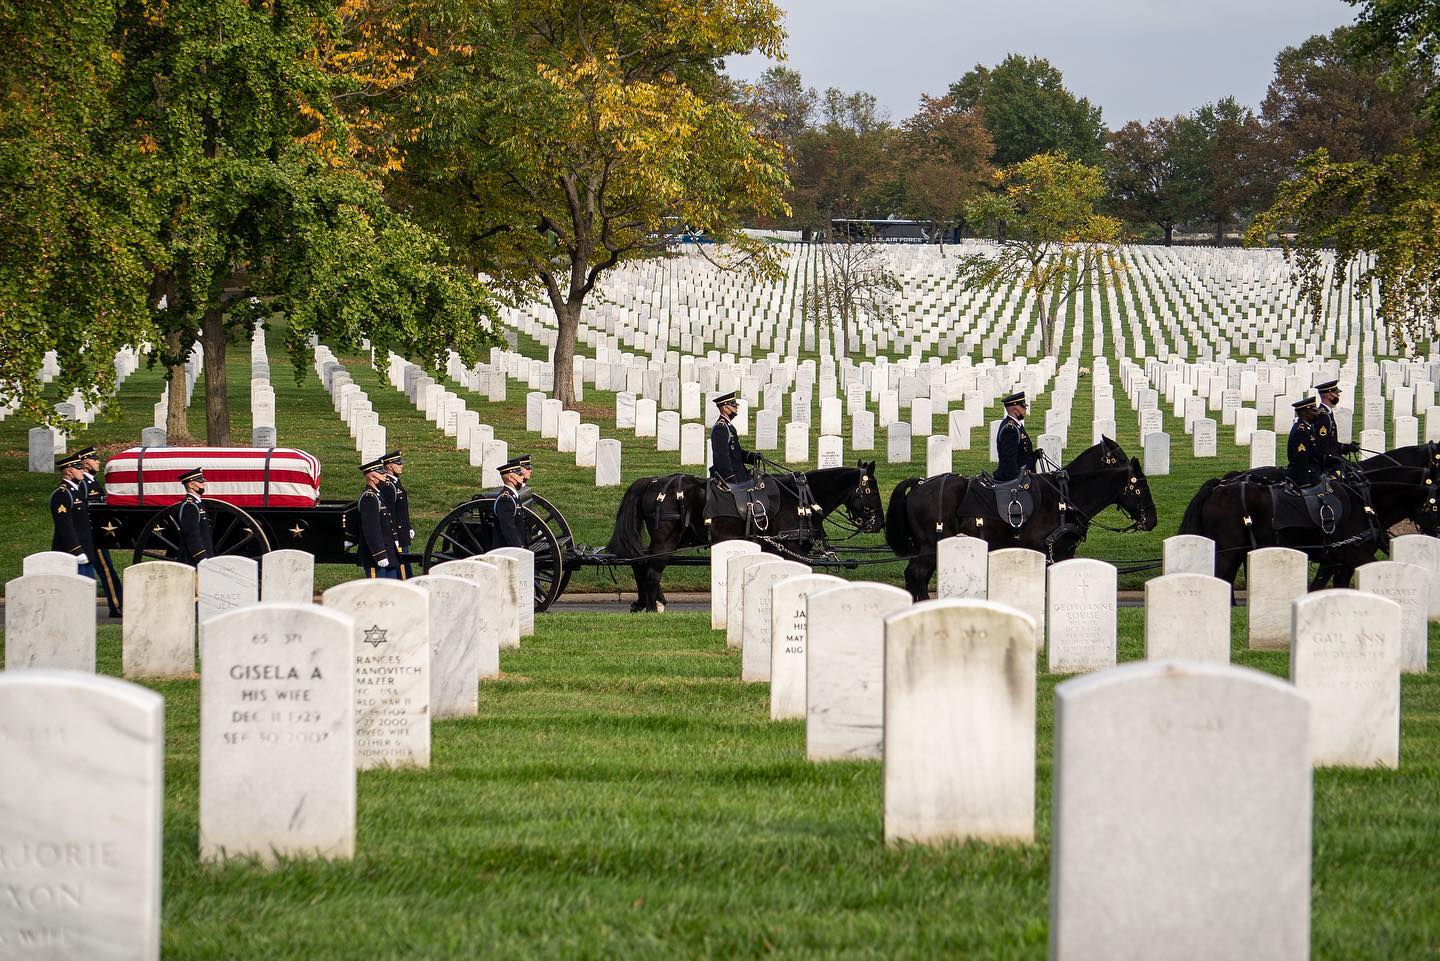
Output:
(1305, 460)
(1327, 435)
(729, 461)
(1012, 443)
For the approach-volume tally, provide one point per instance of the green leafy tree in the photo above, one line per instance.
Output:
(941, 161)
(1235, 173)
(554, 139)
(261, 207)
(1055, 241)
(1157, 172)
(73, 260)
(1029, 111)
(1382, 214)
(1328, 93)
(841, 162)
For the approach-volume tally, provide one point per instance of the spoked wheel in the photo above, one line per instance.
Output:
(235, 532)
(560, 528)
(467, 532)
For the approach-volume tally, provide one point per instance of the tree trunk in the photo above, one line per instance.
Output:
(1169, 234)
(177, 430)
(1219, 232)
(567, 315)
(214, 338)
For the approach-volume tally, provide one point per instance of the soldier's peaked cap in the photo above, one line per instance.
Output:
(723, 399)
(523, 460)
(193, 474)
(393, 457)
(377, 464)
(1328, 385)
(510, 467)
(1016, 398)
(67, 460)
(87, 453)
(1307, 404)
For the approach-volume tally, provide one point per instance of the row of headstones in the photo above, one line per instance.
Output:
(1073, 605)
(294, 699)
(45, 443)
(351, 404)
(48, 625)
(262, 394)
(156, 434)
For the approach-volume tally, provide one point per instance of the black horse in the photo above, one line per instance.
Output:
(669, 512)
(1236, 512)
(924, 511)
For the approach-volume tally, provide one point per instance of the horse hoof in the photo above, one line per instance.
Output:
(659, 607)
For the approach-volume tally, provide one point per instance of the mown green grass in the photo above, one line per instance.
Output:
(623, 795)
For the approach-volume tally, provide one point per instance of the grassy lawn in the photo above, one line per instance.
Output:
(623, 795)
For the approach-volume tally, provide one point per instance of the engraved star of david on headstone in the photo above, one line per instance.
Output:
(375, 636)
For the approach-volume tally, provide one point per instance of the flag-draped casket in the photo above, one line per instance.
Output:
(243, 476)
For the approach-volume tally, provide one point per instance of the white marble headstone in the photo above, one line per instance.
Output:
(755, 597)
(81, 810)
(288, 577)
(1345, 656)
(962, 566)
(789, 633)
(959, 723)
(1187, 618)
(1182, 807)
(277, 734)
(455, 616)
(158, 633)
(50, 622)
(392, 670)
(845, 670)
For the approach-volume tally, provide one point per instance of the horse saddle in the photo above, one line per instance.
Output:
(1317, 507)
(750, 500)
(1012, 501)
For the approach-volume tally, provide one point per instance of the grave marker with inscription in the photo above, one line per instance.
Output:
(50, 622)
(392, 671)
(277, 734)
(82, 799)
(755, 598)
(789, 633)
(1080, 616)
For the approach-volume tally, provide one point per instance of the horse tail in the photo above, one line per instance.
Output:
(1190, 523)
(627, 539)
(897, 520)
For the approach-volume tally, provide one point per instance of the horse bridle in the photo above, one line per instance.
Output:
(863, 489)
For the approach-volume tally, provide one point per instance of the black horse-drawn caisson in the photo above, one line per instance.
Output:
(266, 500)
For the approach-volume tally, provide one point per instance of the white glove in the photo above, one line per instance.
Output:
(412, 533)
(82, 558)
(384, 562)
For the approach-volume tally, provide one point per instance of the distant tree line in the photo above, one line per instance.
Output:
(1210, 171)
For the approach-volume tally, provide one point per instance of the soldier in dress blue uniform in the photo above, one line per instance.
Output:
(1305, 461)
(507, 505)
(1327, 436)
(70, 517)
(728, 460)
(1012, 443)
(104, 566)
(378, 548)
(395, 497)
(197, 532)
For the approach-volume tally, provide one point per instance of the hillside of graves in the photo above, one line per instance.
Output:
(622, 792)
(1200, 351)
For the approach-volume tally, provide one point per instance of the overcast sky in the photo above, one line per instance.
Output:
(1137, 59)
